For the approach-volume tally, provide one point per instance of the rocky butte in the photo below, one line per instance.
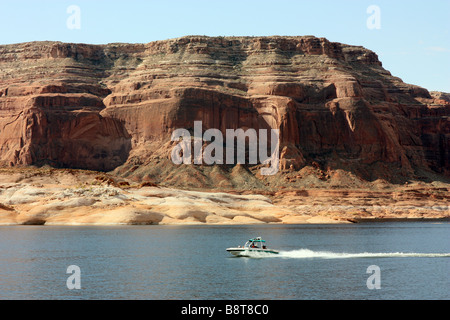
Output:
(348, 128)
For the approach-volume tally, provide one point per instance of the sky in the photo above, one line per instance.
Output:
(411, 38)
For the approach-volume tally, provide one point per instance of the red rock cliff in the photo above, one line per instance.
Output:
(114, 106)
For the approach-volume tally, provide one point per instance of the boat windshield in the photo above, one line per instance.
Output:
(255, 243)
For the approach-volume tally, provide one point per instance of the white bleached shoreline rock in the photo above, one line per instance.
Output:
(61, 197)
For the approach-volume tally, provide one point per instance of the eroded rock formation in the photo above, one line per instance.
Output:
(106, 107)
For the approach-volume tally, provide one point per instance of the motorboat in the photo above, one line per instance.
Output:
(253, 247)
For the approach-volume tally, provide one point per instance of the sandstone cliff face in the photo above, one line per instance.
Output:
(50, 105)
(105, 107)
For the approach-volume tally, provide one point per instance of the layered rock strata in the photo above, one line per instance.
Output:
(114, 107)
(48, 196)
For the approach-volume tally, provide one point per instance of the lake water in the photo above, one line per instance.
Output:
(190, 262)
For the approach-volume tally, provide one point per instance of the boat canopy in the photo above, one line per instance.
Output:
(257, 240)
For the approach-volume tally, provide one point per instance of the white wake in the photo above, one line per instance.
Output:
(306, 253)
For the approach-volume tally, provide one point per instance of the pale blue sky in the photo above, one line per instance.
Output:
(413, 42)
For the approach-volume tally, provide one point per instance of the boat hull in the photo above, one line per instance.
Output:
(246, 252)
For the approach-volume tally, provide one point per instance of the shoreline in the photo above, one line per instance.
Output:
(356, 221)
(77, 198)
